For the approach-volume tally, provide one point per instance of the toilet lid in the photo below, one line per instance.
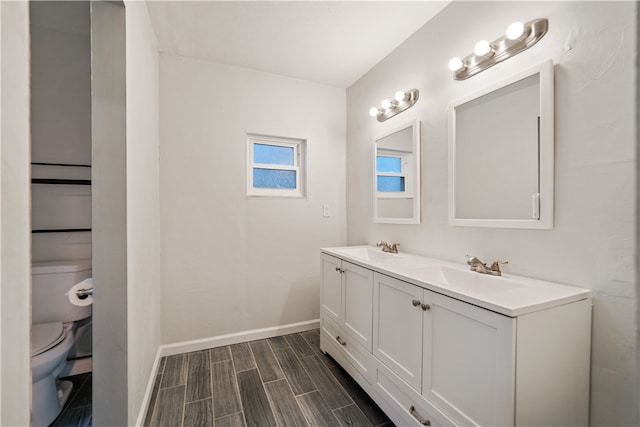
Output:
(44, 336)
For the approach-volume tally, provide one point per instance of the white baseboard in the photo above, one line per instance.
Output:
(77, 366)
(217, 341)
(238, 337)
(142, 414)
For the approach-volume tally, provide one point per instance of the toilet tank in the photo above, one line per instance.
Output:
(50, 282)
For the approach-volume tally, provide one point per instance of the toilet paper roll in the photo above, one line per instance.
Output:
(73, 295)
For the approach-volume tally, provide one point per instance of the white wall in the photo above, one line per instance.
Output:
(60, 126)
(592, 245)
(1, 258)
(232, 263)
(143, 205)
(126, 211)
(15, 229)
(61, 79)
(109, 215)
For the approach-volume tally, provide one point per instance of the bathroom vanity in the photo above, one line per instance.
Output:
(436, 344)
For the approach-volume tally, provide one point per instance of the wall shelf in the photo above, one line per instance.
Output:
(62, 230)
(68, 177)
(56, 181)
(60, 164)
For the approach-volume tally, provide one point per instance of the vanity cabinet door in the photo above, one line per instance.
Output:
(397, 327)
(357, 303)
(347, 297)
(331, 289)
(469, 361)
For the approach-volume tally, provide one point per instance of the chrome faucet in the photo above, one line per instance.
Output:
(481, 267)
(386, 248)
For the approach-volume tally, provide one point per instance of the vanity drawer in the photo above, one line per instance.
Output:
(414, 409)
(359, 357)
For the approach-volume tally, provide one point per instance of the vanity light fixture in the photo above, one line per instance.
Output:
(515, 30)
(483, 48)
(518, 37)
(401, 101)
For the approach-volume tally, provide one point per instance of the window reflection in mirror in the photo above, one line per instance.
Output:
(397, 175)
(390, 172)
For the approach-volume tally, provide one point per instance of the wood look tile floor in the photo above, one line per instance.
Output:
(281, 381)
(77, 410)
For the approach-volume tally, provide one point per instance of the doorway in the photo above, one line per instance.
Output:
(78, 110)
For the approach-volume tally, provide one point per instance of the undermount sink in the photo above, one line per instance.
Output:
(465, 280)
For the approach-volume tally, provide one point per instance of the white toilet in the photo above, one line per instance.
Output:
(52, 337)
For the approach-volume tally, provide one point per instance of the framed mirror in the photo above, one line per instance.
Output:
(396, 181)
(501, 152)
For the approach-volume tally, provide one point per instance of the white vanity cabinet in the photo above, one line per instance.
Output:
(454, 354)
(436, 356)
(346, 311)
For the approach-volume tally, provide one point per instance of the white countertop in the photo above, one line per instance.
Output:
(508, 294)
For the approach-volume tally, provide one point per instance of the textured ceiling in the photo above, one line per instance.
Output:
(328, 42)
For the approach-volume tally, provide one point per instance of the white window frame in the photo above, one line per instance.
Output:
(298, 145)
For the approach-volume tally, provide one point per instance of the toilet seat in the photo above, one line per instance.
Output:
(45, 336)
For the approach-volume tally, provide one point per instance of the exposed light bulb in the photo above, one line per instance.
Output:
(386, 104)
(456, 64)
(515, 30)
(373, 111)
(399, 96)
(482, 48)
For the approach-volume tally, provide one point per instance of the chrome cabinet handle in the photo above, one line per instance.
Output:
(339, 270)
(419, 417)
(416, 303)
(341, 341)
(426, 307)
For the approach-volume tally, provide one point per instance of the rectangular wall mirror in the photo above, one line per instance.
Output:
(501, 153)
(396, 181)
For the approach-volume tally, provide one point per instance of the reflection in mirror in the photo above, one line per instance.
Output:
(501, 154)
(397, 176)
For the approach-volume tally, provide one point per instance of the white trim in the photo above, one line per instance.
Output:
(237, 337)
(142, 413)
(77, 366)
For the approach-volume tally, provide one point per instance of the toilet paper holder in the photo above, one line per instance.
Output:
(84, 293)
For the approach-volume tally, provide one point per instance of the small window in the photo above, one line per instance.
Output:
(390, 172)
(275, 166)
